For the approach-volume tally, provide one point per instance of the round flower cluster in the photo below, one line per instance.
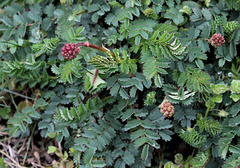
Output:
(70, 51)
(166, 108)
(216, 40)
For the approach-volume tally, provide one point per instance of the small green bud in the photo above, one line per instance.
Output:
(178, 158)
(150, 98)
(223, 113)
(171, 165)
(185, 9)
(207, 2)
(151, 13)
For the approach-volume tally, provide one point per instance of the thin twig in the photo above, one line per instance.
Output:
(60, 147)
(3, 105)
(38, 165)
(23, 145)
(3, 133)
(17, 164)
(5, 139)
(36, 98)
(3, 144)
(16, 145)
(13, 165)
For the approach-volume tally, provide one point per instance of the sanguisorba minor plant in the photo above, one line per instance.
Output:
(125, 83)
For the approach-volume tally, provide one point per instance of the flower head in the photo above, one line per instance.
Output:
(216, 40)
(70, 51)
(166, 108)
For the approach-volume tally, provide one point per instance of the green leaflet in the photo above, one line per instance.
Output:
(200, 160)
(144, 154)
(49, 46)
(128, 65)
(176, 95)
(223, 145)
(195, 80)
(153, 66)
(213, 127)
(192, 137)
(119, 84)
(166, 44)
(92, 82)
(67, 71)
(72, 114)
(232, 161)
(175, 15)
(104, 64)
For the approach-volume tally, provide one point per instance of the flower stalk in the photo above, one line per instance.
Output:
(102, 49)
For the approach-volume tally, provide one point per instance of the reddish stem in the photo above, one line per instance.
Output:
(87, 44)
(95, 76)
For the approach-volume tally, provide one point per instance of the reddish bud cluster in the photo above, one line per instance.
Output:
(166, 108)
(70, 51)
(216, 40)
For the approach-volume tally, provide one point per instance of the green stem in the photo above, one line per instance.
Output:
(53, 77)
(11, 92)
(29, 142)
(14, 102)
(208, 109)
(1, 140)
(162, 157)
(3, 105)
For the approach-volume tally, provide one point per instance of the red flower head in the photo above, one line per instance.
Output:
(216, 40)
(166, 108)
(70, 51)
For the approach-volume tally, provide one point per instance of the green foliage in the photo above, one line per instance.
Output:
(103, 106)
(49, 46)
(200, 160)
(213, 127)
(72, 115)
(150, 98)
(151, 13)
(4, 112)
(21, 120)
(235, 4)
(2, 164)
(92, 82)
(230, 27)
(103, 64)
(67, 71)
(192, 137)
(176, 95)
(28, 72)
(153, 67)
(219, 88)
(232, 161)
(223, 145)
(195, 80)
